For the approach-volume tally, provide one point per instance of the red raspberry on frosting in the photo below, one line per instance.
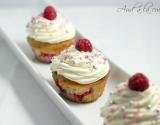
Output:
(84, 45)
(49, 13)
(138, 82)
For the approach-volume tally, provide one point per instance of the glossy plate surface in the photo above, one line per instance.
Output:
(87, 114)
(22, 101)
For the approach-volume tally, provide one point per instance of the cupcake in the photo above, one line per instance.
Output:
(49, 33)
(80, 72)
(135, 102)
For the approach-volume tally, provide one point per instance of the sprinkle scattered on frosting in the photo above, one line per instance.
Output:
(127, 107)
(79, 66)
(50, 31)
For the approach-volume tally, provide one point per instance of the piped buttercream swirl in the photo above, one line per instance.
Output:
(50, 31)
(81, 67)
(127, 107)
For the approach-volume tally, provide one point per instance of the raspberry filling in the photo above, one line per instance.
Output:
(79, 97)
(60, 88)
(46, 56)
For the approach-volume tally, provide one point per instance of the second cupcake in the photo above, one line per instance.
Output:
(49, 34)
(80, 72)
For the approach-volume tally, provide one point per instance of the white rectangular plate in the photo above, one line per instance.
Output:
(87, 114)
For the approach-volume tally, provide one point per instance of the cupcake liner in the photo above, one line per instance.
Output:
(43, 56)
(45, 51)
(81, 93)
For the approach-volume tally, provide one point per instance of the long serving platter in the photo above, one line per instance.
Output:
(86, 114)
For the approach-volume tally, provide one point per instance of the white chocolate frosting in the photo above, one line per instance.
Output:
(81, 67)
(50, 31)
(127, 107)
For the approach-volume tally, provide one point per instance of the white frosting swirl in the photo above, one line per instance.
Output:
(50, 31)
(127, 107)
(81, 67)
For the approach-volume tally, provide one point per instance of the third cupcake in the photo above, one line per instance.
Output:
(134, 102)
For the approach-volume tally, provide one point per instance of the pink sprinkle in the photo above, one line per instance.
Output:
(33, 19)
(113, 109)
(118, 88)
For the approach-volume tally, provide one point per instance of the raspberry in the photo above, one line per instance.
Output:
(138, 82)
(49, 13)
(84, 45)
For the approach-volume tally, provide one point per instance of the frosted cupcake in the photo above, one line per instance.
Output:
(49, 33)
(135, 102)
(80, 72)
